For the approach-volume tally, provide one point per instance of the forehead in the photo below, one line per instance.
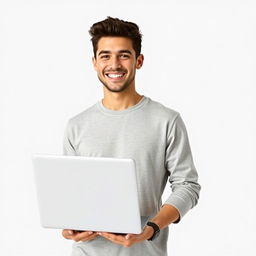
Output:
(114, 44)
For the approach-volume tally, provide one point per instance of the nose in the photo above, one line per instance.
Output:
(115, 63)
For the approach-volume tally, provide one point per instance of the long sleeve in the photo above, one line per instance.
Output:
(183, 176)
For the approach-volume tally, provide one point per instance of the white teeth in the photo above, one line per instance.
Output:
(115, 75)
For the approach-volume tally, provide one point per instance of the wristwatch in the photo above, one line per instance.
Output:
(156, 230)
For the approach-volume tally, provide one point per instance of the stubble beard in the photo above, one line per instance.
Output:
(121, 88)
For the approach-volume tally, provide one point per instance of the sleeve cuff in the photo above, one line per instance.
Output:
(180, 204)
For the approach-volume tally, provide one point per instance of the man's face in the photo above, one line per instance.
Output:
(116, 63)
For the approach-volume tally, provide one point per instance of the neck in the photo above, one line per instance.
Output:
(120, 101)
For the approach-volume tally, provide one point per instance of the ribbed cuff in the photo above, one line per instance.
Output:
(181, 204)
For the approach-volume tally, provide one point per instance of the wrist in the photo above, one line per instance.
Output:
(156, 230)
(149, 231)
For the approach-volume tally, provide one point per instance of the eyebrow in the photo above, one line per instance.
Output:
(121, 51)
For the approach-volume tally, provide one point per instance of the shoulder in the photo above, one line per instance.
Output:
(83, 117)
(161, 111)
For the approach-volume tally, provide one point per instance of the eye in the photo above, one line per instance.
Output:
(104, 56)
(124, 56)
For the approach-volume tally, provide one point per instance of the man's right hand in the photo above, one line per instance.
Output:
(79, 235)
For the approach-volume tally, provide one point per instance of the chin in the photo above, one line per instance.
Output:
(119, 89)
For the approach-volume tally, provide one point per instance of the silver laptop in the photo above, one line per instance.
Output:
(88, 193)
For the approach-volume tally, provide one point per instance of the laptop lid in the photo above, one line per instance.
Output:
(87, 193)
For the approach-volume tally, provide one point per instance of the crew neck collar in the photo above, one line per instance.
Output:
(142, 101)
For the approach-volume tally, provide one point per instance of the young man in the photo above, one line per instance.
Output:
(126, 124)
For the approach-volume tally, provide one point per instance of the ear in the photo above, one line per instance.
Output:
(94, 62)
(139, 61)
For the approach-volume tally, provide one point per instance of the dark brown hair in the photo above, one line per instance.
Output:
(116, 27)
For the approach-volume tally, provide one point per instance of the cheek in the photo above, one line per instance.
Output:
(99, 68)
(134, 67)
(103, 66)
(131, 67)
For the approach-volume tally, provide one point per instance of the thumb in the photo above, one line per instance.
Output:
(128, 236)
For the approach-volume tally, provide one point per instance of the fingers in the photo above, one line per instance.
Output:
(79, 235)
(128, 236)
(89, 237)
(119, 239)
(125, 240)
(68, 233)
(84, 236)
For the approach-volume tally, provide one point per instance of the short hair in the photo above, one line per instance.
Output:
(116, 27)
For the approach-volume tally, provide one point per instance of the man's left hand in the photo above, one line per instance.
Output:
(129, 239)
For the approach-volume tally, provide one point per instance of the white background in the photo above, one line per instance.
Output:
(199, 60)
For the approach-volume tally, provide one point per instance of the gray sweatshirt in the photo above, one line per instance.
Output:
(156, 138)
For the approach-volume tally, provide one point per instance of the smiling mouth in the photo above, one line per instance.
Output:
(115, 76)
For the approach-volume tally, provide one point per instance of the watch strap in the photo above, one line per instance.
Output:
(156, 230)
